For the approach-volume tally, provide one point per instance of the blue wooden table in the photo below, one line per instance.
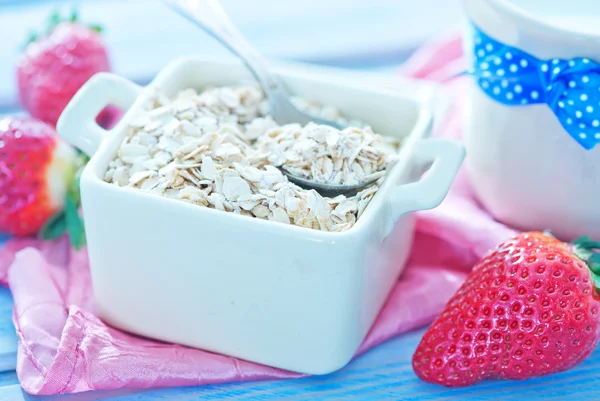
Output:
(384, 373)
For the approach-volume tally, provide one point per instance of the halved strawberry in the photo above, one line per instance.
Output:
(38, 183)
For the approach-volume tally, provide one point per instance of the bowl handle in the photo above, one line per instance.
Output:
(442, 157)
(77, 123)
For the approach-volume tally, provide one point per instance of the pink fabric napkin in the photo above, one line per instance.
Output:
(64, 347)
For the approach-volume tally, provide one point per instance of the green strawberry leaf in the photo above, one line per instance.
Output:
(55, 227)
(75, 226)
(594, 258)
(96, 28)
(596, 279)
(587, 249)
(32, 38)
(593, 262)
(74, 222)
(586, 242)
(68, 220)
(55, 19)
(74, 188)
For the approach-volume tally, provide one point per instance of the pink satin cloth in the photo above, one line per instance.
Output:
(65, 348)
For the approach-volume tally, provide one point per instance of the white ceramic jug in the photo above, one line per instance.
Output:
(525, 168)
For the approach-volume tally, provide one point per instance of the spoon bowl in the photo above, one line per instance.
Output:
(327, 190)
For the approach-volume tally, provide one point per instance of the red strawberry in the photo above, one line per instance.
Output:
(55, 65)
(529, 308)
(36, 173)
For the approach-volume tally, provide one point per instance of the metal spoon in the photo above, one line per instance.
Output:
(326, 190)
(210, 16)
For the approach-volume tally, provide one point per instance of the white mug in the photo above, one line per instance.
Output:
(524, 166)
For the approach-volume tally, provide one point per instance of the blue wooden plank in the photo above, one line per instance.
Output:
(384, 373)
(8, 338)
(8, 379)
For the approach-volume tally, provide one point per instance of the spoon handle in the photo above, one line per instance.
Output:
(210, 16)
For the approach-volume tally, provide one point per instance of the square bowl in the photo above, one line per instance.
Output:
(280, 295)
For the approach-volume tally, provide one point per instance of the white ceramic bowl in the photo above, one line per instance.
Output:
(276, 294)
(525, 168)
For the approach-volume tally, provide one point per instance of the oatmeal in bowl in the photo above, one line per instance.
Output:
(219, 148)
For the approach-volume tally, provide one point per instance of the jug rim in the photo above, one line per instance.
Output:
(524, 16)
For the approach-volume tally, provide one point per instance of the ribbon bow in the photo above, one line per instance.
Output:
(571, 88)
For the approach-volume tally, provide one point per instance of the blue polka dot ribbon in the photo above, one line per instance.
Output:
(571, 88)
